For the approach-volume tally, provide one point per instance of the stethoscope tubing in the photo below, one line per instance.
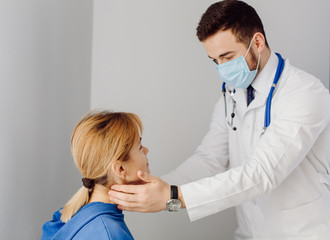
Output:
(279, 70)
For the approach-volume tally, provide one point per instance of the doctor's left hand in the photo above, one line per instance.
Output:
(150, 196)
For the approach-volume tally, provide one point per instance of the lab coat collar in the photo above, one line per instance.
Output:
(261, 84)
(265, 78)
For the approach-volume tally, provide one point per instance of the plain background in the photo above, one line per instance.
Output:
(45, 74)
(60, 58)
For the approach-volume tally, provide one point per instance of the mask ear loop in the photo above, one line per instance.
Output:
(258, 62)
(248, 48)
(248, 52)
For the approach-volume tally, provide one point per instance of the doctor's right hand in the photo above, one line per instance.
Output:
(150, 196)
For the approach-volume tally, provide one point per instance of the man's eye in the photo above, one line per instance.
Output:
(215, 61)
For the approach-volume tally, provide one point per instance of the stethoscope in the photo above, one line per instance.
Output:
(279, 70)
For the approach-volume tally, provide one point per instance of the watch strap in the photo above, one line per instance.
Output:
(174, 192)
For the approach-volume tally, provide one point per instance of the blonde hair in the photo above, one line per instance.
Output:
(97, 140)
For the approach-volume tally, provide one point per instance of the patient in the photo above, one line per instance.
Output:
(106, 148)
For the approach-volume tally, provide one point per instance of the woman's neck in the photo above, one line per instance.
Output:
(100, 194)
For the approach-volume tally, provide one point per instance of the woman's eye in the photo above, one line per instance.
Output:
(140, 147)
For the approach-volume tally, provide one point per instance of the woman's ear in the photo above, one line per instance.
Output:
(119, 170)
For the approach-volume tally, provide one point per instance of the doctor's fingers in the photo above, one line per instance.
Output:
(129, 206)
(129, 188)
(134, 208)
(121, 196)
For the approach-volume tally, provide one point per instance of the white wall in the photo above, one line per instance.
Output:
(45, 68)
(147, 60)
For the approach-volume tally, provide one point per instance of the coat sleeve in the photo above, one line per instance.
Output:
(299, 120)
(210, 157)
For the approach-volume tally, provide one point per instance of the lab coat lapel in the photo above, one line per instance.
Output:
(259, 100)
(241, 101)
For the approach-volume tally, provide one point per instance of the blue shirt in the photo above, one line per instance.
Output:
(95, 220)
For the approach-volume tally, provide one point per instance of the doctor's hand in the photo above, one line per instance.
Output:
(150, 196)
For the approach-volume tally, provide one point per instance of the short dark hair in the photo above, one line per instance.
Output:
(239, 17)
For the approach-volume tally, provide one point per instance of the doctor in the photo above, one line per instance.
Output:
(267, 151)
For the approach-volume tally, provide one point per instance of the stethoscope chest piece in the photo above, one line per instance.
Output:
(232, 115)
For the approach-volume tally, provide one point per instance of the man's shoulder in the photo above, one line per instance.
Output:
(297, 81)
(302, 95)
(295, 72)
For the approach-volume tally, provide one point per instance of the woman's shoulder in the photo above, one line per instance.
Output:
(109, 224)
(50, 228)
(105, 227)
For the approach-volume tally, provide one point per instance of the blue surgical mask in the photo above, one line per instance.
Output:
(236, 73)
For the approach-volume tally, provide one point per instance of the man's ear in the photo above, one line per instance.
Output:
(260, 41)
(118, 169)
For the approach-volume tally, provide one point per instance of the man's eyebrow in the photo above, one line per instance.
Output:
(222, 55)
(226, 53)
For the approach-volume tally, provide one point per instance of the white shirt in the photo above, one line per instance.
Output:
(279, 182)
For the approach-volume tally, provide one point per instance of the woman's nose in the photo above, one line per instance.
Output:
(146, 150)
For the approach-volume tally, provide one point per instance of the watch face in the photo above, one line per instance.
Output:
(173, 205)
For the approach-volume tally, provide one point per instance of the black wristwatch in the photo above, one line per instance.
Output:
(174, 204)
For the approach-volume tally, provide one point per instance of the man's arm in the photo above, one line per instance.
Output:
(301, 117)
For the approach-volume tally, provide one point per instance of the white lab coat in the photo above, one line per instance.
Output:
(279, 182)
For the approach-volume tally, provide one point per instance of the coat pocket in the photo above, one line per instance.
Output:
(308, 221)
